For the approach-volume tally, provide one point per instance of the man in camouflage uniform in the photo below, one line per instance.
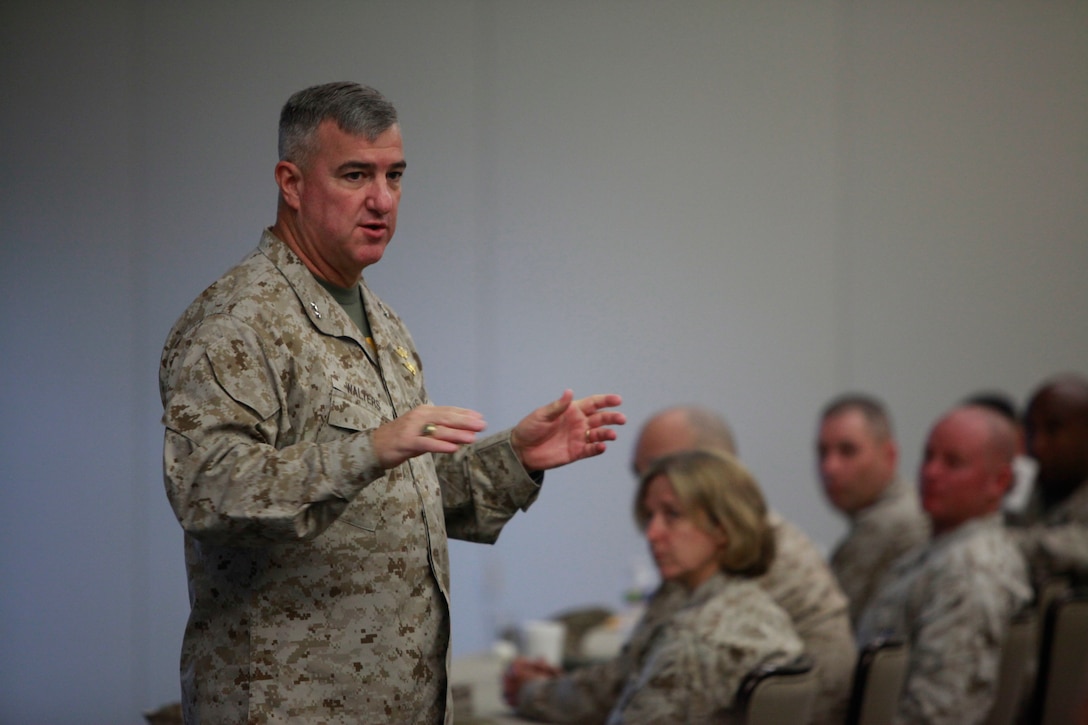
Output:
(953, 599)
(857, 458)
(315, 482)
(1054, 533)
(798, 579)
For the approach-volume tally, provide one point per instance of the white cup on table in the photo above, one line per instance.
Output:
(544, 639)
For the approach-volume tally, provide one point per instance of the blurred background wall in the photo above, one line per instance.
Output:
(752, 205)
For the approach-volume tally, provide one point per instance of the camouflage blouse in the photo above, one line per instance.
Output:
(319, 583)
(683, 663)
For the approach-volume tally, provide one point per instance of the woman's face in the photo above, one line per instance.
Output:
(683, 551)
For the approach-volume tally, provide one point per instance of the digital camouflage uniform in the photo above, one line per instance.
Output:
(801, 582)
(879, 534)
(951, 601)
(1056, 542)
(682, 664)
(319, 583)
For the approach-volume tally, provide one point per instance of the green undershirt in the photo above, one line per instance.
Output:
(351, 300)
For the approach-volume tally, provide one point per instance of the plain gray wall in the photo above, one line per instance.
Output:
(752, 205)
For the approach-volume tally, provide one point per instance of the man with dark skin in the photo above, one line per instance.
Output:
(1055, 539)
(1057, 432)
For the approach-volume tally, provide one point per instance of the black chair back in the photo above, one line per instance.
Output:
(1061, 686)
(779, 693)
(1018, 655)
(878, 682)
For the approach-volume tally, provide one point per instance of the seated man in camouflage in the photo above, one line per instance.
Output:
(1054, 532)
(952, 600)
(857, 458)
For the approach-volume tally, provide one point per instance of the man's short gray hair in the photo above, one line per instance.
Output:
(876, 415)
(356, 109)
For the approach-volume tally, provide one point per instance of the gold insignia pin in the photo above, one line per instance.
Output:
(405, 359)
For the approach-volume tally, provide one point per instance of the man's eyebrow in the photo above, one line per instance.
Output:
(368, 166)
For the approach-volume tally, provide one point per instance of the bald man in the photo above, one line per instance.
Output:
(1055, 539)
(952, 599)
(799, 579)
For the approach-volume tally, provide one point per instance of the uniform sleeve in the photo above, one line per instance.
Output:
(956, 639)
(871, 548)
(583, 696)
(1060, 549)
(682, 680)
(228, 476)
(483, 486)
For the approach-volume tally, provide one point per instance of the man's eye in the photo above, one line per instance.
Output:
(354, 176)
(394, 175)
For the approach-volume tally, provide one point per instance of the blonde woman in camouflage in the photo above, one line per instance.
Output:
(707, 625)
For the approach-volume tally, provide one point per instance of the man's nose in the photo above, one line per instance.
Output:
(927, 471)
(380, 198)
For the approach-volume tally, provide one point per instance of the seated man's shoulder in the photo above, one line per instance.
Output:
(800, 579)
(979, 566)
(1075, 509)
(904, 512)
(983, 546)
(792, 544)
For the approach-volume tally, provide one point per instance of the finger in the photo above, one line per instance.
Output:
(557, 407)
(591, 450)
(606, 417)
(593, 403)
(433, 445)
(447, 434)
(454, 416)
(468, 425)
(600, 435)
(539, 668)
(549, 670)
(447, 417)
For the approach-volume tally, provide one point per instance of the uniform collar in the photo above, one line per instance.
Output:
(318, 305)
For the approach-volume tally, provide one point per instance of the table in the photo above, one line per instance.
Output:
(476, 682)
(476, 679)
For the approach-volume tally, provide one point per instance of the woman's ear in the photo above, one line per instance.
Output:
(721, 539)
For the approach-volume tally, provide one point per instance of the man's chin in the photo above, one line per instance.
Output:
(371, 254)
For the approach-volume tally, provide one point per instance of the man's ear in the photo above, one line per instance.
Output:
(891, 452)
(289, 180)
(1002, 480)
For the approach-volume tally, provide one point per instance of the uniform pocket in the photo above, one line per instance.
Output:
(356, 413)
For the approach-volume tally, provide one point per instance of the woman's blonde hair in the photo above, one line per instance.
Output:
(720, 495)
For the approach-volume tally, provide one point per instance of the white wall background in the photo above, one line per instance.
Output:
(753, 205)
